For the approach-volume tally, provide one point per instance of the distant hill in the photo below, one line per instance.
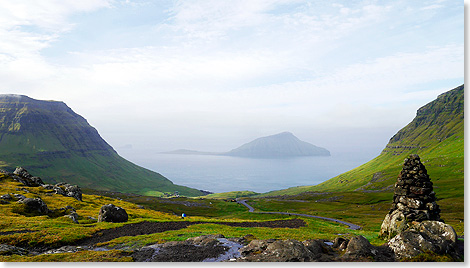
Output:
(436, 134)
(190, 152)
(280, 145)
(52, 141)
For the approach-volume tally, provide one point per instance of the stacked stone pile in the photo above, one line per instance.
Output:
(414, 199)
(414, 194)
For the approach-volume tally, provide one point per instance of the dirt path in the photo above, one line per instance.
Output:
(143, 228)
(351, 226)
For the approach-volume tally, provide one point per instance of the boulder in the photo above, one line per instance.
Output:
(34, 205)
(21, 175)
(66, 189)
(73, 191)
(425, 237)
(111, 213)
(277, 251)
(360, 247)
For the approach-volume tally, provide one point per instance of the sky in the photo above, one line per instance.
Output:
(211, 75)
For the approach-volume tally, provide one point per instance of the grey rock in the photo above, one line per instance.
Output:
(66, 189)
(12, 250)
(48, 186)
(73, 191)
(6, 197)
(277, 251)
(358, 247)
(25, 178)
(35, 205)
(73, 216)
(19, 196)
(428, 236)
(112, 213)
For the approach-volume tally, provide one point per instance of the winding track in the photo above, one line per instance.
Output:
(351, 226)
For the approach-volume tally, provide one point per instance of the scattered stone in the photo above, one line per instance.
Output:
(414, 199)
(111, 213)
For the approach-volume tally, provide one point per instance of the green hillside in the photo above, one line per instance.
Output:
(52, 141)
(436, 134)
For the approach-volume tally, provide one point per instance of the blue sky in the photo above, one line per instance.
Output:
(210, 74)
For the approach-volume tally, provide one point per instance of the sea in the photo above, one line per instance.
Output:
(225, 173)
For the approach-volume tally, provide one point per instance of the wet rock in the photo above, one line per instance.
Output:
(197, 249)
(277, 251)
(112, 213)
(10, 250)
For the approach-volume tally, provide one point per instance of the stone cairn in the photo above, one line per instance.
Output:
(414, 199)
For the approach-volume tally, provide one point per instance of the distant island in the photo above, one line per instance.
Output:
(281, 145)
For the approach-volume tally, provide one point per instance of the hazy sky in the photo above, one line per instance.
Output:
(211, 74)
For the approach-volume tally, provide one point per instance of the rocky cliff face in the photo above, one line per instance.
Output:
(51, 140)
(280, 145)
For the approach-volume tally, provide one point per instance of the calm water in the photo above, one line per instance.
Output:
(224, 173)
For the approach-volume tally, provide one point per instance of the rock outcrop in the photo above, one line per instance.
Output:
(414, 199)
(66, 189)
(22, 175)
(112, 213)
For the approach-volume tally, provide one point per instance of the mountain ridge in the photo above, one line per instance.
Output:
(51, 140)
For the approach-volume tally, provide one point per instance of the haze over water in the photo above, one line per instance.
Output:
(224, 173)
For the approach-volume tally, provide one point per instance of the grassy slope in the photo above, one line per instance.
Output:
(57, 230)
(436, 135)
(363, 195)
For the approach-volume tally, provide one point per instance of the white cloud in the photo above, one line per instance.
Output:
(231, 64)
